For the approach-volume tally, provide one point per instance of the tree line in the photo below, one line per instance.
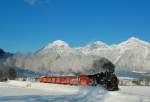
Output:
(7, 72)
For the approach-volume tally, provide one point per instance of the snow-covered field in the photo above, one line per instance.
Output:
(15, 91)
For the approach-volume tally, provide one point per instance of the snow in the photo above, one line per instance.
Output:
(136, 90)
(141, 72)
(118, 97)
(57, 43)
(11, 90)
(17, 91)
(62, 89)
(126, 78)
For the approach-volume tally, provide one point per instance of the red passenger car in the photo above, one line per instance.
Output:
(67, 80)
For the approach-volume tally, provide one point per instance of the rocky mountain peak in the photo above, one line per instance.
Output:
(100, 44)
(97, 44)
(57, 43)
(133, 41)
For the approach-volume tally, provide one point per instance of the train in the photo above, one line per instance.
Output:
(105, 79)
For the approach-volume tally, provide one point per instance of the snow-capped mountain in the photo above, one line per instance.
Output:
(94, 48)
(62, 48)
(58, 47)
(133, 54)
(134, 42)
(57, 44)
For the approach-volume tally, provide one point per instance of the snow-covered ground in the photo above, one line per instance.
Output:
(15, 91)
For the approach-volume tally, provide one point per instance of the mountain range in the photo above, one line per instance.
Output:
(131, 55)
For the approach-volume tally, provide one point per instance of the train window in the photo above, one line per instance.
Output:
(53, 79)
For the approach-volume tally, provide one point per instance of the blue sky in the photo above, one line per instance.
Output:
(27, 25)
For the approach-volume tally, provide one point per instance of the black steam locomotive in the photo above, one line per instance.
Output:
(107, 80)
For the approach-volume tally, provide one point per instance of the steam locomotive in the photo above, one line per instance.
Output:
(107, 80)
